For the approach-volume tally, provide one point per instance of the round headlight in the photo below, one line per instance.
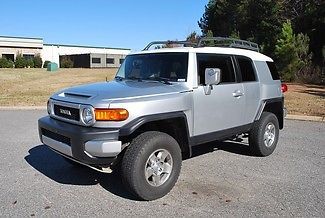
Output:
(49, 107)
(87, 116)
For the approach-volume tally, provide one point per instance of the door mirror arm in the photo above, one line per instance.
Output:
(207, 89)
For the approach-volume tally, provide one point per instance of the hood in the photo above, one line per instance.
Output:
(113, 90)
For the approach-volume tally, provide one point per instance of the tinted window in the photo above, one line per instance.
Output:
(246, 69)
(155, 66)
(121, 60)
(223, 62)
(95, 60)
(273, 70)
(109, 60)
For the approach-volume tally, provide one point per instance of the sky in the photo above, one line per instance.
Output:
(120, 23)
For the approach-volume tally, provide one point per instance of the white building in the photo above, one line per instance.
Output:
(82, 56)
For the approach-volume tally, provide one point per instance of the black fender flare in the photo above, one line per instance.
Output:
(135, 124)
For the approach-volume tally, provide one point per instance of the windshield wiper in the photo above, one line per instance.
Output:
(134, 78)
(160, 79)
(119, 78)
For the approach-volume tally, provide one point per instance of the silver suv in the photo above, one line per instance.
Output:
(163, 102)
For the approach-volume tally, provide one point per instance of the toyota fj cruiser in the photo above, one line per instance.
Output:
(163, 102)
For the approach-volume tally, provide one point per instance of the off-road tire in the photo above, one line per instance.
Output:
(256, 135)
(135, 159)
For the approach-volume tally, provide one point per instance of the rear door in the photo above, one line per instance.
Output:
(223, 108)
(248, 77)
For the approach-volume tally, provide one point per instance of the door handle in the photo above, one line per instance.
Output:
(237, 93)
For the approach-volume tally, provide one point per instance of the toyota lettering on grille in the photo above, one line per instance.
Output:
(66, 112)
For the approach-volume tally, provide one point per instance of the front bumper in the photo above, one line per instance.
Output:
(88, 145)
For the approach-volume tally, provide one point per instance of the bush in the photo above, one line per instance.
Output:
(20, 61)
(37, 61)
(30, 63)
(312, 75)
(66, 62)
(5, 63)
(46, 63)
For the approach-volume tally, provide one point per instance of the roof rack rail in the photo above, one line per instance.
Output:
(184, 43)
(228, 42)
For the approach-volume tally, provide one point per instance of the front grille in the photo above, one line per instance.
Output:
(67, 112)
(56, 137)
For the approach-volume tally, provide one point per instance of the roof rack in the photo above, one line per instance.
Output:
(228, 42)
(184, 43)
(210, 41)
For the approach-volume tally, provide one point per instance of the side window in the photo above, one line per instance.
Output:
(273, 70)
(246, 69)
(223, 62)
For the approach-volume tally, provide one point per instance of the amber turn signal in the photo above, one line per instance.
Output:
(114, 114)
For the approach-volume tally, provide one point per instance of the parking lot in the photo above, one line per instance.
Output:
(222, 179)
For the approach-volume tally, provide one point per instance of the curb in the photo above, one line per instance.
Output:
(305, 118)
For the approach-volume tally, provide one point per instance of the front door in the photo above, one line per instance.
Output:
(224, 107)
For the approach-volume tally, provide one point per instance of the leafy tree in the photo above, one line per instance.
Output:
(37, 61)
(261, 21)
(20, 61)
(193, 37)
(220, 17)
(307, 17)
(292, 52)
(209, 33)
(255, 20)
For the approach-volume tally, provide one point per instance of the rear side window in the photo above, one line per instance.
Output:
(246, 69)
(223, 62)
(273, 70)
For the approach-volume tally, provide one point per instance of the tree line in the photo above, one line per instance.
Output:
(292, 32)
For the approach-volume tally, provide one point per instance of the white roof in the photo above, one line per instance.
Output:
(256, 56)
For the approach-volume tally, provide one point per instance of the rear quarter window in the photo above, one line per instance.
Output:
(273, 70)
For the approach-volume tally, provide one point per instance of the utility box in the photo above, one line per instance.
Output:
(52, 67)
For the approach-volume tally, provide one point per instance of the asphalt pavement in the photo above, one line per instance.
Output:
(222, 179)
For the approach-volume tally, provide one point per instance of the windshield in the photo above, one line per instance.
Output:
(155, 66)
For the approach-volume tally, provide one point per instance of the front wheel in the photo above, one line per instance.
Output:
(151, 165)
(264, 135)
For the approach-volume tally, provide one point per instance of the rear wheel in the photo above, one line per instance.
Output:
(264, 135)
(151, 165)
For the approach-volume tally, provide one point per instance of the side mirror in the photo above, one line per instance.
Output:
(212, 77)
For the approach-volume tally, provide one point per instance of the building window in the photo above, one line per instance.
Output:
(121, 60)
(95, 60)
(110, 61)
(9, 56)
(28, 56)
